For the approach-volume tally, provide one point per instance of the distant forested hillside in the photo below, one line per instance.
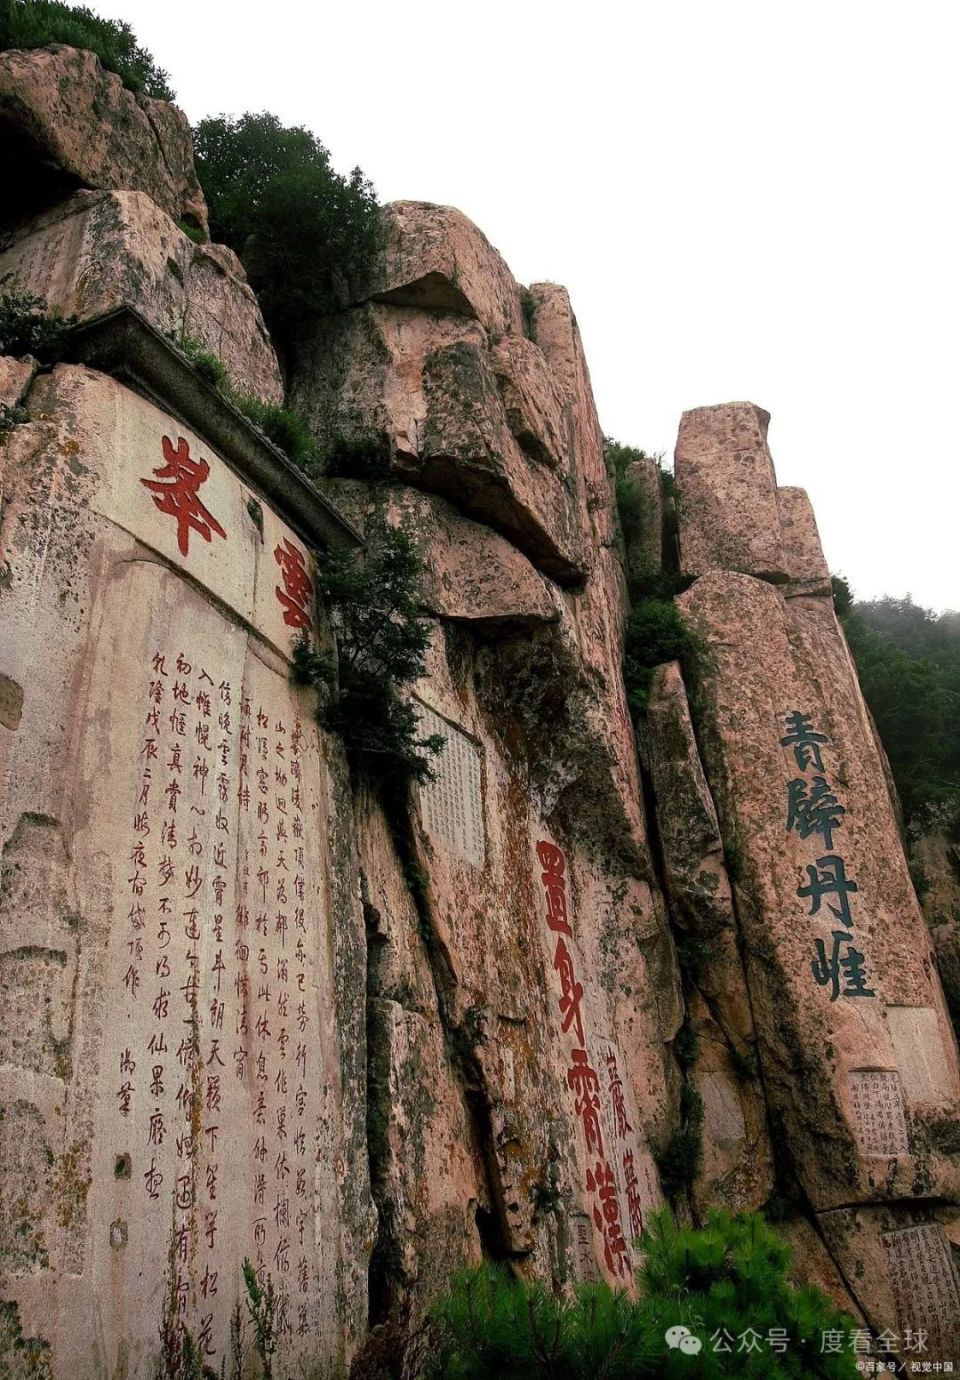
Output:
(908, 660)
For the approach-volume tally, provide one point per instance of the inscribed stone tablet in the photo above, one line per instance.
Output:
(583, 1247)
(878, 1115)
(452, 805)
(11, 702)
(924, 1285)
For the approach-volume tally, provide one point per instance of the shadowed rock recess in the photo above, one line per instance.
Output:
(250, 1007)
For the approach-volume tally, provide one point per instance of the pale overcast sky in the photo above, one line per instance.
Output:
(745, 200)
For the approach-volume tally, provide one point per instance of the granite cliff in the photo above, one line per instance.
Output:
(247, 1012)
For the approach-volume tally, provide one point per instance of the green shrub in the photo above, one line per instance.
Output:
(11, 417)
(381, 642)
(28, 327)
(287, 430)
(357, 455)
(193, 232)
(727, 1278)
(679, 1160)
(35, 23)
(262, 1303)
(655, 632)
(305, 233)
(628, 494)
(209, 366)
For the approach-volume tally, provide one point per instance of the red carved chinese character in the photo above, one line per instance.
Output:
(572, 991)
(297, 588)
(176, 492)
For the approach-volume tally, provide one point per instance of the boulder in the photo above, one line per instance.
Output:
(727, 493)
(62, 110)
(435, 259)
(470, 574)
(101, 250)
(533, 402)
(803, 555)
(426, 381)
(16, 375)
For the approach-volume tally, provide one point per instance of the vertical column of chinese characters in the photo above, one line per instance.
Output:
(144, 963)
(283, 898)
(241, 925)
(179, 934)
(581, 1076)
(217, 797)
(813, 808)
(302, 1031)
(261, 1015)
(622, 1128)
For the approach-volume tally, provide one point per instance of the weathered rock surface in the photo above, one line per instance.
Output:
(533, 401)
(727, 493)
(16, 375)
(803, 555)
(106, 249)
(435, 259)
(738, 1164)
(857, 1056)
(182, 1061)
(470, 574)
(60, 109)
(427, 382)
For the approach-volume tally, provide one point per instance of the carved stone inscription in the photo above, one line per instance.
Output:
(878, 1116)
(924, 1285)
(453, 804)
(214, 1086)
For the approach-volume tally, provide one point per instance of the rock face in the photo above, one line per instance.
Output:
(525, 1003)
(61, 110)
(181, 1047)
(101, 250)
(727, 493)
(255, 1004)
(474, 392)
(856, 1051)
(435, 259)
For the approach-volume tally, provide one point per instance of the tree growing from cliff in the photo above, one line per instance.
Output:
(373, 597)
(35, 23)
(306, 234)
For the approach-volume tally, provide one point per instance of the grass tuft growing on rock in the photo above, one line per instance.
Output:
(286, 429)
